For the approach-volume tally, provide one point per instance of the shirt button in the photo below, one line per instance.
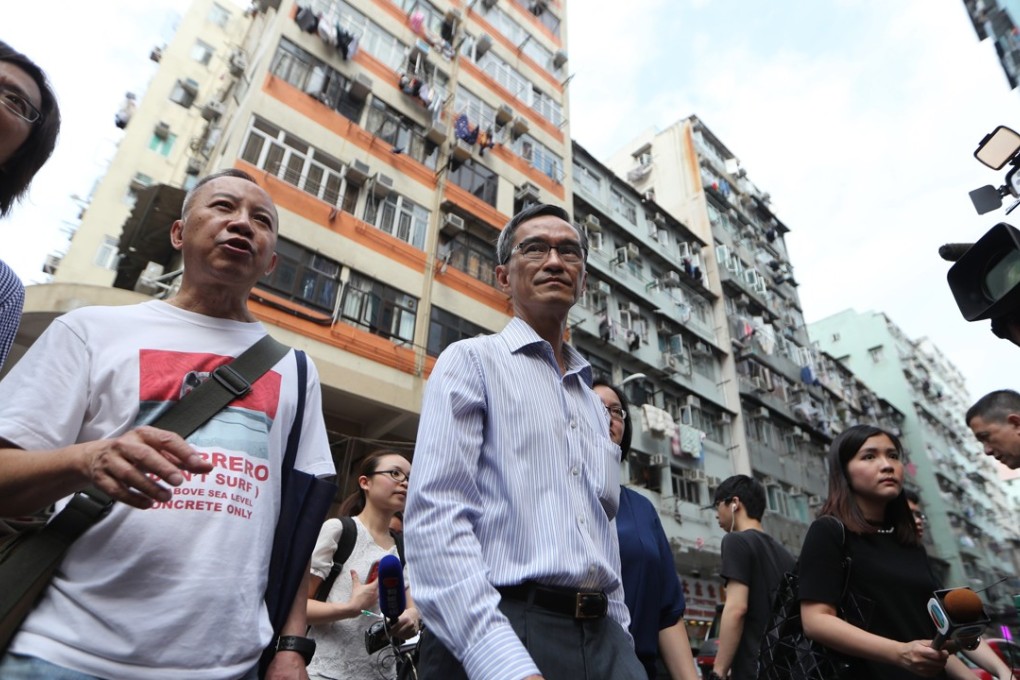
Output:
(580, 520)
(576, 471)
(591, 570)
(573, 424)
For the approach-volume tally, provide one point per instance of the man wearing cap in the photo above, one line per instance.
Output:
(752, 565)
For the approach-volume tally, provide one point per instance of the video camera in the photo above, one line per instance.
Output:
(985, 279)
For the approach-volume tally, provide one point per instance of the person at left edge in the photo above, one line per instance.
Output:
(171, 583)
(511, 548)
(29, 124)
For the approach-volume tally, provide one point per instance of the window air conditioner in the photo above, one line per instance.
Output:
(693, 401)
(504, 114)
(657, 460)
(713, 481)
(814, 500)
(383, 185)
(603, 287)
(527, 192)
(592, 223)
(162, 130)
(238, 63)
(763, 412)
(437, 133)
(634, 309)
(194, 166)
(484, 43)
(358, 171)
(212, 111)
(670, 362)
(633, 252)
(696, 475)
(518, 127)
(189, 85)
(140, 181)
(671, 280)
(452, 224)
(725, 419)
(559, 59)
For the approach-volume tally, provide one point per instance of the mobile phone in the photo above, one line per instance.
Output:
(373, 573)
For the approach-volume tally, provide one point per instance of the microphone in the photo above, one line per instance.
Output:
(392, 599)
(951, 252)
(959, 616)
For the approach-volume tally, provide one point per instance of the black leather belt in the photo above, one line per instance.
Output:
(579, 605)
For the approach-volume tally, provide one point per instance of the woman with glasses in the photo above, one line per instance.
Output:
(651, 585)
(339, 623)
(29, 123)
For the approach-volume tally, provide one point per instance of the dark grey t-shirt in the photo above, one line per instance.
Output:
(759, 561)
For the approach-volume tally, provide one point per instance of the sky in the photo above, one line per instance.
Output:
(859, 117)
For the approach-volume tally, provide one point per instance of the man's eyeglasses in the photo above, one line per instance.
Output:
(570, 252)
(920, 515)
(17, 104)
(617, 412)
(397, 475)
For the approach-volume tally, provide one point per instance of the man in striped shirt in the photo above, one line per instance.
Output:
(512, 554)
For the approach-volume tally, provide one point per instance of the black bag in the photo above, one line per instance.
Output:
(304, 503)
(786, 653)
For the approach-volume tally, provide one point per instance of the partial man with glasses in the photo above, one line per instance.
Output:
(29, 124)
(511, 541)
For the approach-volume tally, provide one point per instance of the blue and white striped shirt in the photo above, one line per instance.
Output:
(515, 479)
(12, 298)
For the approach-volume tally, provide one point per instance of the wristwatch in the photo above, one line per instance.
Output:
(295, 643)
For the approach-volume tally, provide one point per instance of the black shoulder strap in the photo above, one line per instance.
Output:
(344, 548)
(398, 538)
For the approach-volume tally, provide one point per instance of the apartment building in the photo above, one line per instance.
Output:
(395, 136)
(787, 398)
(971, 519)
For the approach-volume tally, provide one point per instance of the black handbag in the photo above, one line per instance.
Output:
(29, 561)
(785, 653)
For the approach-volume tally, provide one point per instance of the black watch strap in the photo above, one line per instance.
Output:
(295, 643)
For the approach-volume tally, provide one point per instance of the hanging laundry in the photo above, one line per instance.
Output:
(486, 140)
(328, 24)
(691, 440)
(633, 341)
(657, 421)
(770, 235)
(463, 129)
(425, 94)
(346, 43)
(604, 329)
(127, 109)
(807, 376)
(447, 29)
(417, 21)
(306, 20)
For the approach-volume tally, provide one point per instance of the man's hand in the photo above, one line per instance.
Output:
(407, 625)
(128, 467)
(287, 666)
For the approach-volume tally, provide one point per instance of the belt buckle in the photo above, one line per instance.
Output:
(584, 602)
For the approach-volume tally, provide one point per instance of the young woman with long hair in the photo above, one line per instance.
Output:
(889, 636)
(338, 624)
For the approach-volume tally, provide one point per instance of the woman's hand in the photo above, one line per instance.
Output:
(408, 625)
(919, 657)
(364, 596)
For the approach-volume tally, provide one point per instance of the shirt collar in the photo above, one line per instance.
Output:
(518, 335)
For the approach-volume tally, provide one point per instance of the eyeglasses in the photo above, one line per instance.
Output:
(617, 412)
(921, 516)
(570, 252)
(397, 475)
(17, 104)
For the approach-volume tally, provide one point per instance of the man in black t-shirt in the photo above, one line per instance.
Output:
(752, 565)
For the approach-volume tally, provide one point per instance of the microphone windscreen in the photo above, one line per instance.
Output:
(963, 605)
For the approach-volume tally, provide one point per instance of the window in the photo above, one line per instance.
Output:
(542, 14)
(685, 489)
(519, 35)
(371, 37)
(107, 255)
(474, 257)
(218, 15)
(313, 76)
(446, 328)
(304, 276)
(399, 217)
(521, 88)
(202, 52)
(477, 180)
(539, 157)
(381, 309)
(876, 354)
(623, 206)
(162, 146)
(401, 132)
(287, 157)
(587, 179)
(184, 92)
